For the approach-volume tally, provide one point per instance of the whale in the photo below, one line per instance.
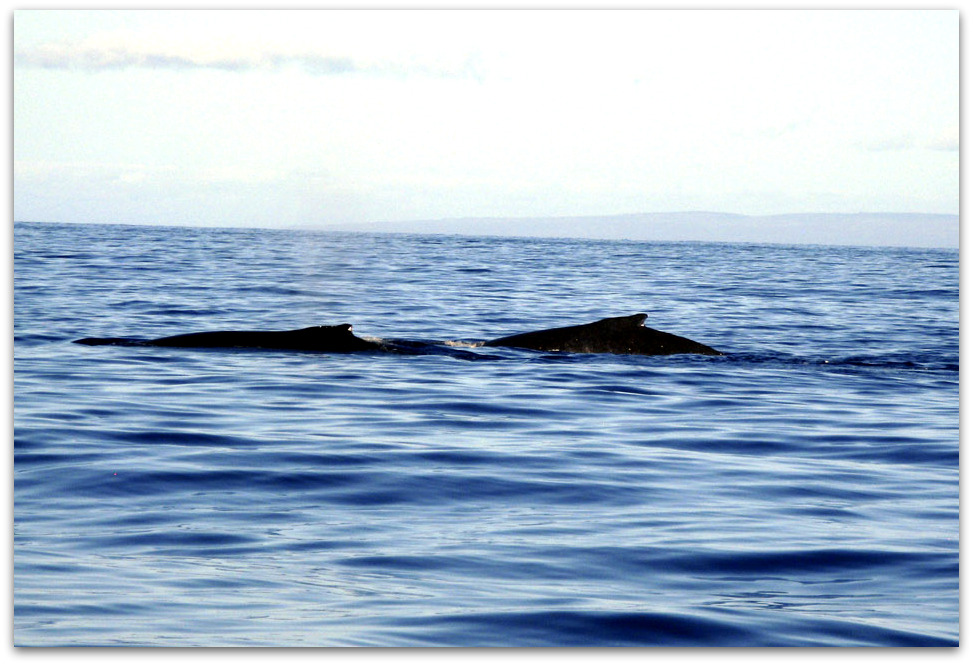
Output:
(318, 339)
(619, 335)
(325, 339)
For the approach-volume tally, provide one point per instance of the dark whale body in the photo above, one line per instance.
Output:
(326, 339)
(622, 334)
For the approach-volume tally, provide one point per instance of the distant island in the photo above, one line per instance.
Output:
(877, 229)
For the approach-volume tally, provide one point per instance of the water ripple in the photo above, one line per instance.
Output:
(802, 490)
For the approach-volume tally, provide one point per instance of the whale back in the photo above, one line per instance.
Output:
(316, 338)
(622, 335)
(331, 339)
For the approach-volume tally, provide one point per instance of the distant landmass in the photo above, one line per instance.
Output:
(878, 229)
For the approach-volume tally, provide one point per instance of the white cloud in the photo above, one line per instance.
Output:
(240, 174)
(317, 42)
(947, 140)
(97, 55)
(901, 140)
(132, 177)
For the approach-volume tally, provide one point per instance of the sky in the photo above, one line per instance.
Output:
(284, 118)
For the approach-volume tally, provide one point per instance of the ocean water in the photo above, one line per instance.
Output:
(802, 490)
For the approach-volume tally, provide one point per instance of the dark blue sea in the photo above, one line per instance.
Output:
(802, 490)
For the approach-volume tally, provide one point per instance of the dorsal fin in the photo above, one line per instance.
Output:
(634, 320)
(341, 326)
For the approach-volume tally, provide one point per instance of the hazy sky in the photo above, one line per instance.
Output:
(295, 117)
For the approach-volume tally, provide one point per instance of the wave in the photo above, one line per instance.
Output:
(567, 628)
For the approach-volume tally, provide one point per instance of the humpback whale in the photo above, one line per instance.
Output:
(326, 339)
(621, 334)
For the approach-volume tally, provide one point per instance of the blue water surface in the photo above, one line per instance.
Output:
(802, 490)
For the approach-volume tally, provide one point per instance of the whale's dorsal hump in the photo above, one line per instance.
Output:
(635, 320)
(340, 329)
